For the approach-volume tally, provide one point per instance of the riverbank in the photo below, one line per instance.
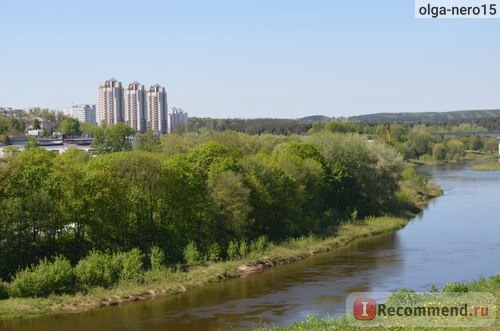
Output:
(469, 156)
(169, 281)
(413, 194)
(487, 166)
(491, 285)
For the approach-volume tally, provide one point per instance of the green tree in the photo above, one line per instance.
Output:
(491, 145)
(231, 202)
(456, 149)
(70, 126)
(118, 137)
(36, 124)
(148, 141)
(439, 151)
(474, 143)
(31, 143)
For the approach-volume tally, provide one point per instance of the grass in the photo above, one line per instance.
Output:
(487, 166)
(172, 280)
(468, 156)
(491, 285)
(473, 156)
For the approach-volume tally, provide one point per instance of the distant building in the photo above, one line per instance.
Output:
(83, 113)
(135, 107)
(110, 108)
(157, 109)
(11, 111)
(177, 118)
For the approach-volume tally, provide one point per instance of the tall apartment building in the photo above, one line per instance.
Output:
(110, 108)
(157, 109)
(83, 113)
(135, 107)
(177, 119)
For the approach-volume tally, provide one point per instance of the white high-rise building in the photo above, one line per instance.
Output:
(177, 118)
(110, 109)
(135, 107)
(83, 113)
(157, 109)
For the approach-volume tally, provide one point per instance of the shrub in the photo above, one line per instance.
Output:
(456, 287)
(233, 250)
(259, 245)
(192, 256)
(213, 254)
(156, 258)
(97, 269)
(56, 277)
(129, 264)
(243, 248)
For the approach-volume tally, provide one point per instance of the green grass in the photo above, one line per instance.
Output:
(491, 285)
(487, 166)
(472, 156)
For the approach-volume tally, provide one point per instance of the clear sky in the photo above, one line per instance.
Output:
(259, 58)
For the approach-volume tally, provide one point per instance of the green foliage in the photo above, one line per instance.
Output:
(70, 126)
(213, 253)
(97, 269)
(156, 258)
(192, 256)
(243, 249)
(456, 287)
(36, 124)
(130, 265)
(259, 245)
(106, 270)
(31, 143)
(223, 194)
(233, 250)
(148, 141)
(43, 279)
(491, 146)
(439, 151)
(117, 137)
(456, 150)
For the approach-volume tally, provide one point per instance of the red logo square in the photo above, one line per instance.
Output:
(364, 309)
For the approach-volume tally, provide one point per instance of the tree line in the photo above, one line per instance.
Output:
(208, 192)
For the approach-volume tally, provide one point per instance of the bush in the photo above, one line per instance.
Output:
(456, 287)
(156, 258)
(192, 256)
(243, 248)
(56, 277)
(97, 269)
(213, 254)
(129, 264)
(233, 250)
(259, 245)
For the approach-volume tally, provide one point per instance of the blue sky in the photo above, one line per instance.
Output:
(249, 59)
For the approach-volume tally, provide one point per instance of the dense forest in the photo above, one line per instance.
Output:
(251, 126)
(428, 117)
(207, 192)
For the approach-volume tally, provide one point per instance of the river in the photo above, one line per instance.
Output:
(455, 239)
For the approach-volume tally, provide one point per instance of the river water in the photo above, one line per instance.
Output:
(455, 239)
